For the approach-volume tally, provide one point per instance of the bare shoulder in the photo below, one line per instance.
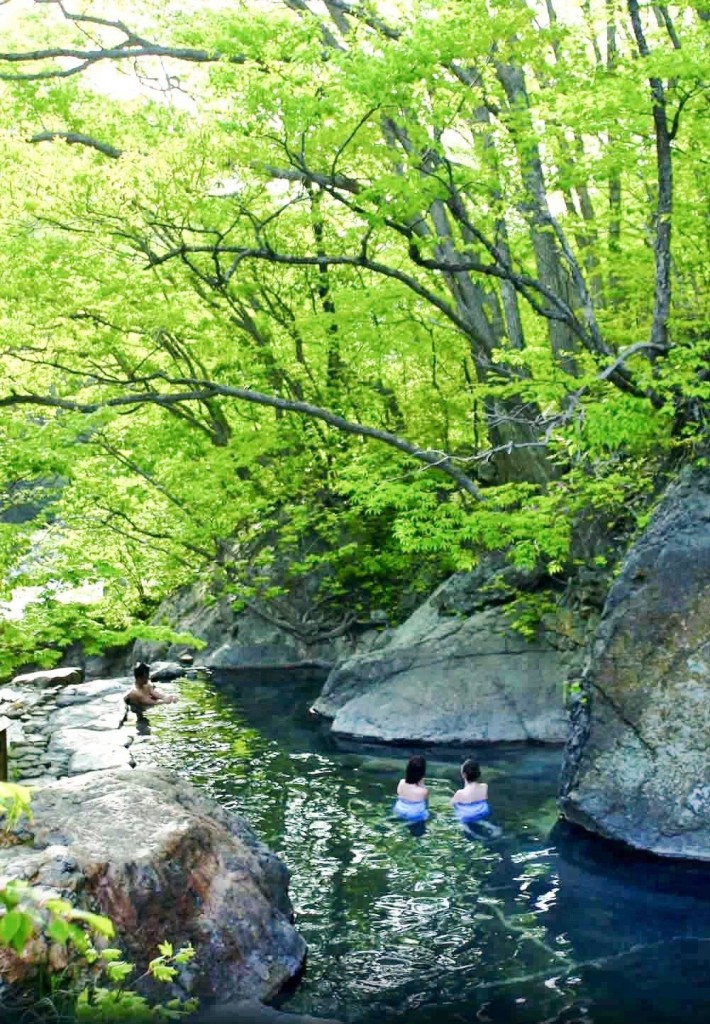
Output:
(456, 798)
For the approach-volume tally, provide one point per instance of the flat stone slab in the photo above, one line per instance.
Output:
(16, 734)
(102, 714)
(82, 693)
(71, 741)
(14, 702)
(36, 783)
(49, 677)
(97, 759)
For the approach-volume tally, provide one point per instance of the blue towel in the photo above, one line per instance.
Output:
(472, 812)
(410, 810)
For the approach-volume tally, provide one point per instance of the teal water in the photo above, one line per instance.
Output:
(542, 924)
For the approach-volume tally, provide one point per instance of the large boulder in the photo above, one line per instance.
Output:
(456, 672)
(637, 766)
(164, 863)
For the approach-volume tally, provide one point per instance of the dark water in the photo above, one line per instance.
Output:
(542, 924)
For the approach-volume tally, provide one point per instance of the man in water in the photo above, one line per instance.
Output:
(144, 695)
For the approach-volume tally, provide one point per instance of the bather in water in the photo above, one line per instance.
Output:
(411, 803)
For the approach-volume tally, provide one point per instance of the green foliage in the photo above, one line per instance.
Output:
(194, 257)
(14, 802)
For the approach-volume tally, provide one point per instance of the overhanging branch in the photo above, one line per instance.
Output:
(202, 390)
(76, 138)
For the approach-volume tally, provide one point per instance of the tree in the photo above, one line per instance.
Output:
(460, 235)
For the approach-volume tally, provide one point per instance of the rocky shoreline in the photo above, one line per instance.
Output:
(60, 726)
(149, 850)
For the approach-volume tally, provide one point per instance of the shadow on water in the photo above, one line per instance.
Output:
(539, 924)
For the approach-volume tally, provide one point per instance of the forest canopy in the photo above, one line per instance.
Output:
(410, 280)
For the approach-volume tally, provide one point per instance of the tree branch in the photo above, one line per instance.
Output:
(202, 390)
(79, 139)
(664, 178)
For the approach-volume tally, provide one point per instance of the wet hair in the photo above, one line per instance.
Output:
(141, 672)
(415, 771)
(470, 770)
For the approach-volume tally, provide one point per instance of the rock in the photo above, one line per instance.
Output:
(49, 677)
(251, 637)
(250, 1011)
(458, 678)
(90, 750)
(113, 661)
(85, 692)
(22, 750)
(186, 658)
(165, 671)
(18, 701)
(102, 714)
(636, 767)
(165, 863)
(36, 778)
(254, 655)
(16, 735)
(69, 740)
(96, 758)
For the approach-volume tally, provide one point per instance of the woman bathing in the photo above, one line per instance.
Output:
(471, 802)
(412, 796)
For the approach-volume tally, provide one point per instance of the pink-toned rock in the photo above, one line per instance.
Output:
(165, 863)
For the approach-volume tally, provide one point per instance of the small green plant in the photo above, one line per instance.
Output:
(527, 612)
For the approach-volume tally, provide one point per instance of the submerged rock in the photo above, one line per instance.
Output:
(456, 672)
(249, 1011)
(637, 766)
(164, 863)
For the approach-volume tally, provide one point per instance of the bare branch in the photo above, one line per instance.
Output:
(76, 138)
(269, 255)
(131, 47)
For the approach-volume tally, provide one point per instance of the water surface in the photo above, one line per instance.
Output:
(542, 924)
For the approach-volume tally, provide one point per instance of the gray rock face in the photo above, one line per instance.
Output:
(637, 767)
(239, 640)
(455, 672)
(165, 863)
(165, 671)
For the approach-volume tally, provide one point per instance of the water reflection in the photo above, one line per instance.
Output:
(538, 924)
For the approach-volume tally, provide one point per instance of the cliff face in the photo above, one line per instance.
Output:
(637, 767)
